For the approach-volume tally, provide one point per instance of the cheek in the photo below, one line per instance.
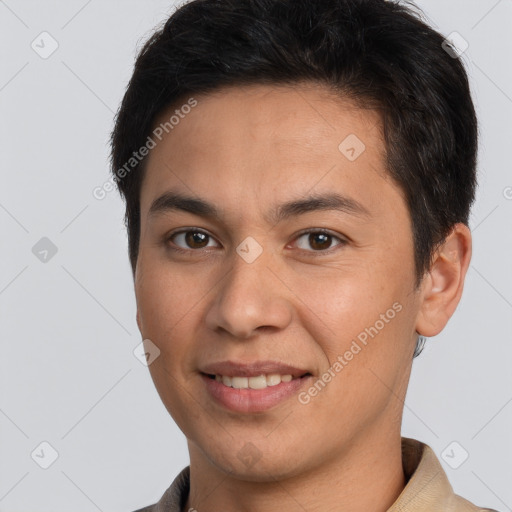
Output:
(164, 300)
(166, 309)
(339, 308)
(363, 327)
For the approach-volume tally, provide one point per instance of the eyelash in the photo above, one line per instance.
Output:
(176, 248)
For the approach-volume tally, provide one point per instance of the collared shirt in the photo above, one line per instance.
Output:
(427, 487)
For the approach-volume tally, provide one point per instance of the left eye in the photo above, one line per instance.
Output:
(320, 240)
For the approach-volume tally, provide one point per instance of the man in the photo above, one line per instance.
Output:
(298, 176)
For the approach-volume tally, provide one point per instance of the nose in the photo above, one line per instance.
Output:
(251, 298)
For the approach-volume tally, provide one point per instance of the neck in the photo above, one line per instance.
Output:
(368, 476)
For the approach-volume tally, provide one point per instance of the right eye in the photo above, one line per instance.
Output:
(191, 239)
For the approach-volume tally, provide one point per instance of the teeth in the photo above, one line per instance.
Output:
(258, 382)
(274, 379)
(239, 382)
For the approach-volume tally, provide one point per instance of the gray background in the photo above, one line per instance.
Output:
(68, 375)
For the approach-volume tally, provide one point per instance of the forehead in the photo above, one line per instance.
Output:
(307, 115)
(267, 138)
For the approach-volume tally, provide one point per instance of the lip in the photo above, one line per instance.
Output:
(252, 369)
(252, 400)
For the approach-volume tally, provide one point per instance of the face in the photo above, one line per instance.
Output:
(301, 263)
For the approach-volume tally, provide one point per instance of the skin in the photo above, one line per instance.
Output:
(247, 149)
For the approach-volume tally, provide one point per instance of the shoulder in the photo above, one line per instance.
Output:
(460, 504)
(174, 497)
(427, 485)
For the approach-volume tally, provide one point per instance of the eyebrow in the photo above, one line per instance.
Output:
(175, 201)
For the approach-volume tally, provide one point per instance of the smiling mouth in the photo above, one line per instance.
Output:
(255, 382)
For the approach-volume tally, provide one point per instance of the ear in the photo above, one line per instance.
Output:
(442, 286)
(138, 321)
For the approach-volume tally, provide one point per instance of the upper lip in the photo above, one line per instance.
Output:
(251, 369)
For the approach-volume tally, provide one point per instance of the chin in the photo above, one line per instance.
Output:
(256, 465)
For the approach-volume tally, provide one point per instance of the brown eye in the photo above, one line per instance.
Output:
(195, 239)
(191, 239)
(319, 241)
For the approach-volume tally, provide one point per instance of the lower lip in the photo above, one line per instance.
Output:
(252, 400)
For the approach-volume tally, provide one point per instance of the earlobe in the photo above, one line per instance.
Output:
(443, 285)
